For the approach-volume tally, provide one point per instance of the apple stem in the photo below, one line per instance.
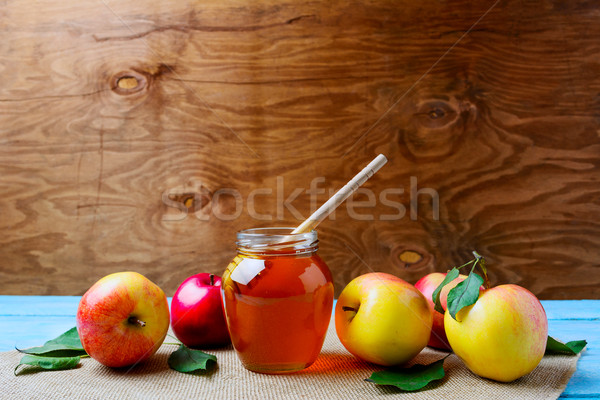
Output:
(347, 308)
(480, 261)
(136, 321)
(212, 280)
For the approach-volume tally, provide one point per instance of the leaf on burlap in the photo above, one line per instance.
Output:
(188, 360)
(410, 379)
(49, 363)
(66, 345)
(574, 347)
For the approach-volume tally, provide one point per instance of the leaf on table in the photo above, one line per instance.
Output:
(450, 276)
(574, 347)
(410, 379)
(188, 360)
(464, 294)
(66, 345)
(50, 363)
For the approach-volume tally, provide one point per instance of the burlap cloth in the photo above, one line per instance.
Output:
(335, 375)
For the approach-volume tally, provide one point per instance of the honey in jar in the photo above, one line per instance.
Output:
(278, 296)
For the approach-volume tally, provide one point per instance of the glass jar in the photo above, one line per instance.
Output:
(278, 295)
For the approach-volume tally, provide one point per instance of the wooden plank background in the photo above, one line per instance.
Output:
(126, 128)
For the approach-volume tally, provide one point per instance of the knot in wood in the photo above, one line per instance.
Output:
(435, 129)
(192, 201)
(409, 257)
(128, 82)
(437, 114)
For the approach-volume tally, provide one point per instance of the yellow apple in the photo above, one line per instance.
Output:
(502, 336)
(382, 319)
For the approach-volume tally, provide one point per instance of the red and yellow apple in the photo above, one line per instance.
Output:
(122, 319)
(502, 336)
(427, 286)
(197, 316)
(382, 319)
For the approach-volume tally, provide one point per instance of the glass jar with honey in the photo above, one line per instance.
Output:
(278, 296)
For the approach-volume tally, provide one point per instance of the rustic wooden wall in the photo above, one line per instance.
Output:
(119, 117)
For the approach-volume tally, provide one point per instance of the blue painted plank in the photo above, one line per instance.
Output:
(586, 380)
(39, 305)
(579, 397)
(572, 309)
(28, 331)
(67, 305)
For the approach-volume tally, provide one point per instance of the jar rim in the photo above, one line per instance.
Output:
(273, 230)
(278, 240)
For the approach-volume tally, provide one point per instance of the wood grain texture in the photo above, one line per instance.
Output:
(118, 118)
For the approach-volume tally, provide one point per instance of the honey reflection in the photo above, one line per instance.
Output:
(336, 363)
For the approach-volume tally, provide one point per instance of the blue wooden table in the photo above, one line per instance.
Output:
(27, 321)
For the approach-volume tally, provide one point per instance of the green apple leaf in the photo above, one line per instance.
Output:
(450, 276)
(410, 379)
(51, 363)
(464, 294)
(188, 360)
(65, 345)
(574, 347)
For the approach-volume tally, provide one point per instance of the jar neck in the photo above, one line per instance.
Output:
(276, 242)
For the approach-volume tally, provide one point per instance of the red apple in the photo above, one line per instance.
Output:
(122, 319)
(197, 316)
(427, 286)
